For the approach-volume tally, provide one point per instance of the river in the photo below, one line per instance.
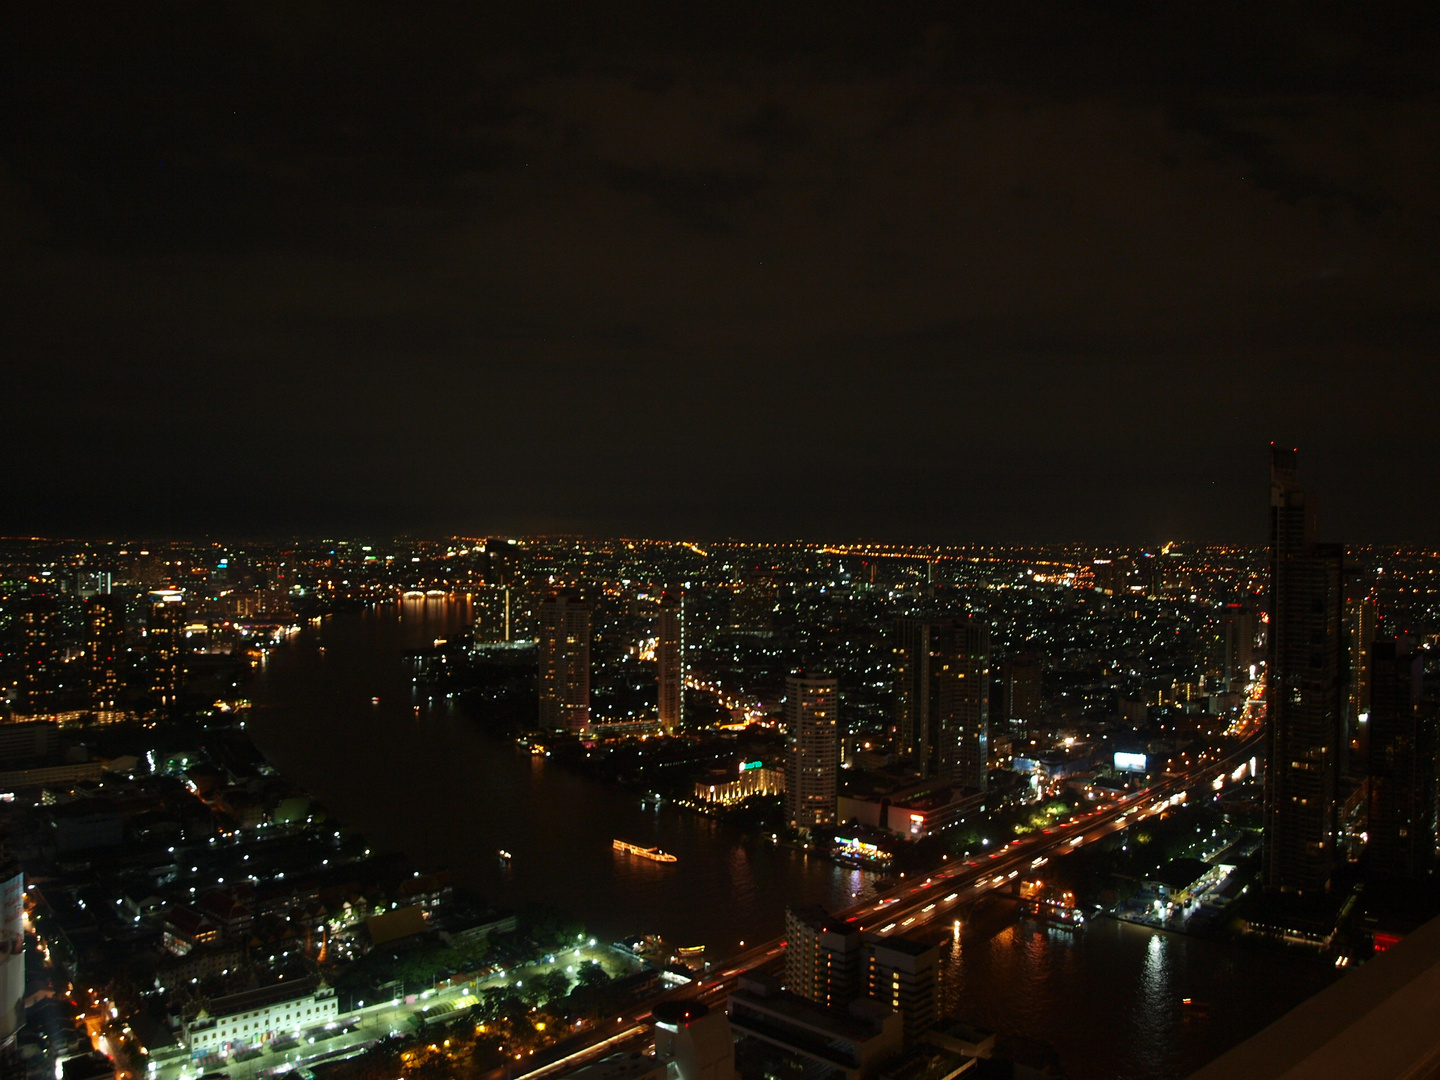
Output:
(416, 776)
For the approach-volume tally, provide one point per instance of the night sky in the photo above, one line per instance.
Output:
(970, 272)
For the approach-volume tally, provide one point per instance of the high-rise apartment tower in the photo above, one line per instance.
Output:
(1020, 684)
(942, 697)
(565, 661)
(1306, 691)
(1401, 823)
(813, 745)
(822, 956)
(40, 653)
(165, 645)
(670, 663)
(105, 650)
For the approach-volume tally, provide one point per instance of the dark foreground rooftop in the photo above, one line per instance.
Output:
(1381, 1022)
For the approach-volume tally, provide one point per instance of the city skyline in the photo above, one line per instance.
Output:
(850, 770)
(719, 541)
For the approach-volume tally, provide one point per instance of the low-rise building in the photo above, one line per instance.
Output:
(854, 1042)
(735, 785)
(632, 1066)
(912, 810)
(185, 928)
(85, 824)
(254, 1017)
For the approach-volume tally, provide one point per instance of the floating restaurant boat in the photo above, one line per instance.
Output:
(653, 853)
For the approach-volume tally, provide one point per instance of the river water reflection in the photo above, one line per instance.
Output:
(416, 776)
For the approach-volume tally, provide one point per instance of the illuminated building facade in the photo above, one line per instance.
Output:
(1020, 680)
(564, 649)
(942, 697)
(813, 750)
(492, 615)
(1238, 644)
(752, 609)
(254, 1017)
(670, 663)
(904, 975)
(105, 650)
(752, 778)
(1360, 616)
(910, 666)
(822, 956)
(1360, 626)
(1111, 577)
(40, 625)
(165, 645)
(1401, 822)
(1306, 691)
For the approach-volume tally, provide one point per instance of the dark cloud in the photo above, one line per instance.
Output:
(957, 272)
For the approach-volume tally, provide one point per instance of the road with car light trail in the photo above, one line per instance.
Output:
(914, 904)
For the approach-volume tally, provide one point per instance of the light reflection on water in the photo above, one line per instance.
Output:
(417, 777)
(1110, 998)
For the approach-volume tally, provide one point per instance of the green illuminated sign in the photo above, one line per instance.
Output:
(746, 766)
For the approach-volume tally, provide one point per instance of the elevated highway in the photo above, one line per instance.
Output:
(916, 903)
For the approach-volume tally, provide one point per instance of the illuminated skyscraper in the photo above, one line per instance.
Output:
(565, 661)
(1238, 644)
(1401, 825)
(492, 614)
(1360, 619)
(960, 691)
(813, 759)
(942, 697)
(105, 650)
(670, 663)
(39, 676)
(1360, 636)
(910, 667)
(1306, 689)
(905, 975)
(752, 610)
(830, 962)
(822, 956)
(165, 645)
(1020, 681)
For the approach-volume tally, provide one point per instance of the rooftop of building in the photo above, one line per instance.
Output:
(904, 945)
(928, 1062)
(263, 997)
(822, 922)
(676, 1013)
(1376, 1022)
(618, 1067)
(835, 1023)
(892, 784)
